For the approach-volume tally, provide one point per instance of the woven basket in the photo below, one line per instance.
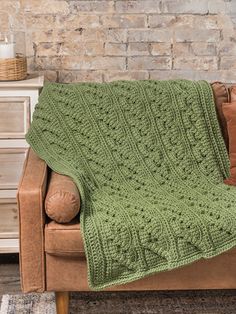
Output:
(13, 69)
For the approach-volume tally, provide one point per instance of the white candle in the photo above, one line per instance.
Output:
(7, 50)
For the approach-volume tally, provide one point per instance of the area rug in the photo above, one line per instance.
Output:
(184, 302)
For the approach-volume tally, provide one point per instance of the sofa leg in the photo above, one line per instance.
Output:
(62, 302)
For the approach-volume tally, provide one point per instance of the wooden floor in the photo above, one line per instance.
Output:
(9, 274)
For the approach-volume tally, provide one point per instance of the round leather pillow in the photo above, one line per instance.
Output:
(62, 202)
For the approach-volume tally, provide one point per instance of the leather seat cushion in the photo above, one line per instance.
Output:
(64, 239)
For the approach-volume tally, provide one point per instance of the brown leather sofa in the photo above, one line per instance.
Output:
(52, 254)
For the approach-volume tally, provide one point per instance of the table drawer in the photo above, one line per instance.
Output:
(14, 116)
(11, 164)
(8, 218)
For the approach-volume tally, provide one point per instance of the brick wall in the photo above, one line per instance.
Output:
(106, 40)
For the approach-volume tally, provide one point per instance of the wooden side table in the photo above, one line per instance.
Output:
(17, 102)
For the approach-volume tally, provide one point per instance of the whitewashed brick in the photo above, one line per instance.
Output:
(99, 6)
(138, 6)
(45, 63)
(115, 49)
(210, 76)
(138, 49)
(192, 34)
(196, 63)
(45, 6)
(47, 49)
(116, 35)
(161, 21)
(46, 21)
(230, 7)
(149, 63)
(80, 76)
(185, 6)
(83, 35)
(217, 6)
(182, 49)
(70, 40)
(124, 20)
(227, 48)
(93, 63)
(194, 49)
(228, 62)
(72, 48)
(186, 20)
(204, 49)
(125, 75)
(161, 49)
(150, 35)
(75, 21)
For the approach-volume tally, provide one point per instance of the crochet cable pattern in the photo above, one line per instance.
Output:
(149, 159)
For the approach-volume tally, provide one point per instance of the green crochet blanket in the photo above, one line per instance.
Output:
(149, 159)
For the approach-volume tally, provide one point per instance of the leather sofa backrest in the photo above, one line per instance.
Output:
(221, 94)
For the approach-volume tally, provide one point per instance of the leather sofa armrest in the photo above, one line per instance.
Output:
(30, 197)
